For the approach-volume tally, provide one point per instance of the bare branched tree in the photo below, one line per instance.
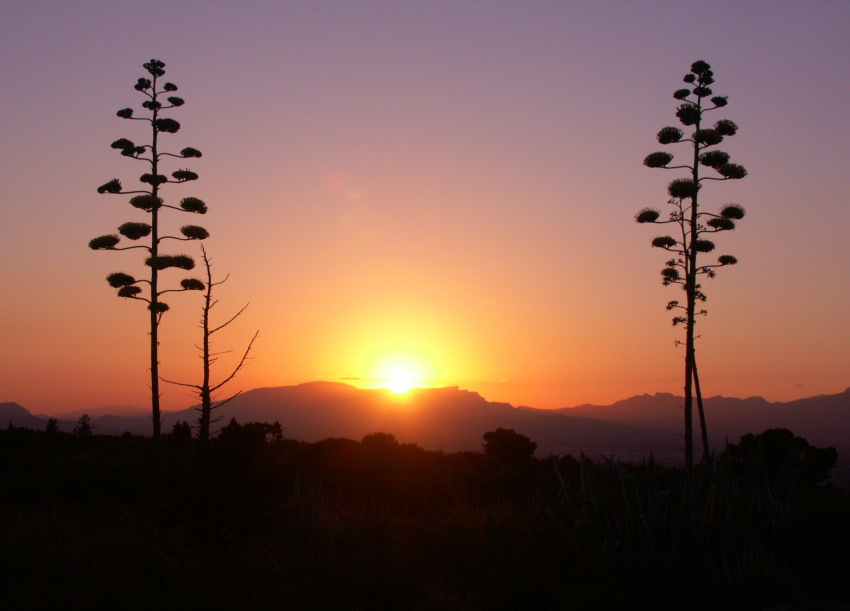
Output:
(206, 390)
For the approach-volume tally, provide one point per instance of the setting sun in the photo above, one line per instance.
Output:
(401, 373)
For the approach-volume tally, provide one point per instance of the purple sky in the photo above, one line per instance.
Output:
(450, 183)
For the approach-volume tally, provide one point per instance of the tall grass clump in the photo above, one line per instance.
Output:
(722, 533)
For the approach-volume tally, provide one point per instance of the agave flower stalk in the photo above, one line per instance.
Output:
(693, 225)
(158, 98)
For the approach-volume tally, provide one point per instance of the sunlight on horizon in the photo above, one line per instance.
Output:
(401, 372)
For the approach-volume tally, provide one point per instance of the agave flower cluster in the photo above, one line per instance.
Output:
(148, 200)
(694, 225)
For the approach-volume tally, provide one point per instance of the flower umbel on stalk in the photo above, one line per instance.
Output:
(148, 236)
(693, 226)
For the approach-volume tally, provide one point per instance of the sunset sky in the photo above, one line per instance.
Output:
(443, 190)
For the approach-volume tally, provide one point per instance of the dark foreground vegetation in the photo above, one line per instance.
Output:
(255, 521)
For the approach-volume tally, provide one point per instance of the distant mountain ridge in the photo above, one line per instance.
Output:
(451, 419)
(822, 419)
(19, 416)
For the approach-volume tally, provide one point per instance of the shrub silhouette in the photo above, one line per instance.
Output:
(508, 446)
(788, 460)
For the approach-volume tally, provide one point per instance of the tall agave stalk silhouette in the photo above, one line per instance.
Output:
(692, 224)
(148, 200)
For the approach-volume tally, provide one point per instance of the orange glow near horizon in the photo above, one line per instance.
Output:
(401, 372)
(395, 344)
(422, 195)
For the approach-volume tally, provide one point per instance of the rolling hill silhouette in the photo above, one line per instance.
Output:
(451, 419)
(12, 413)
(447, 419)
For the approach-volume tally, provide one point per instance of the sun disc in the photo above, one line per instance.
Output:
(400, 386)
(400, 375)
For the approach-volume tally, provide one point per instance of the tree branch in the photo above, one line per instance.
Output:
(180, 383)
(223, 403)
(128, 193)
(239, 366)
(234, 317)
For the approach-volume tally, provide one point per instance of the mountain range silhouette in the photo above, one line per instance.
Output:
(451, 419)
